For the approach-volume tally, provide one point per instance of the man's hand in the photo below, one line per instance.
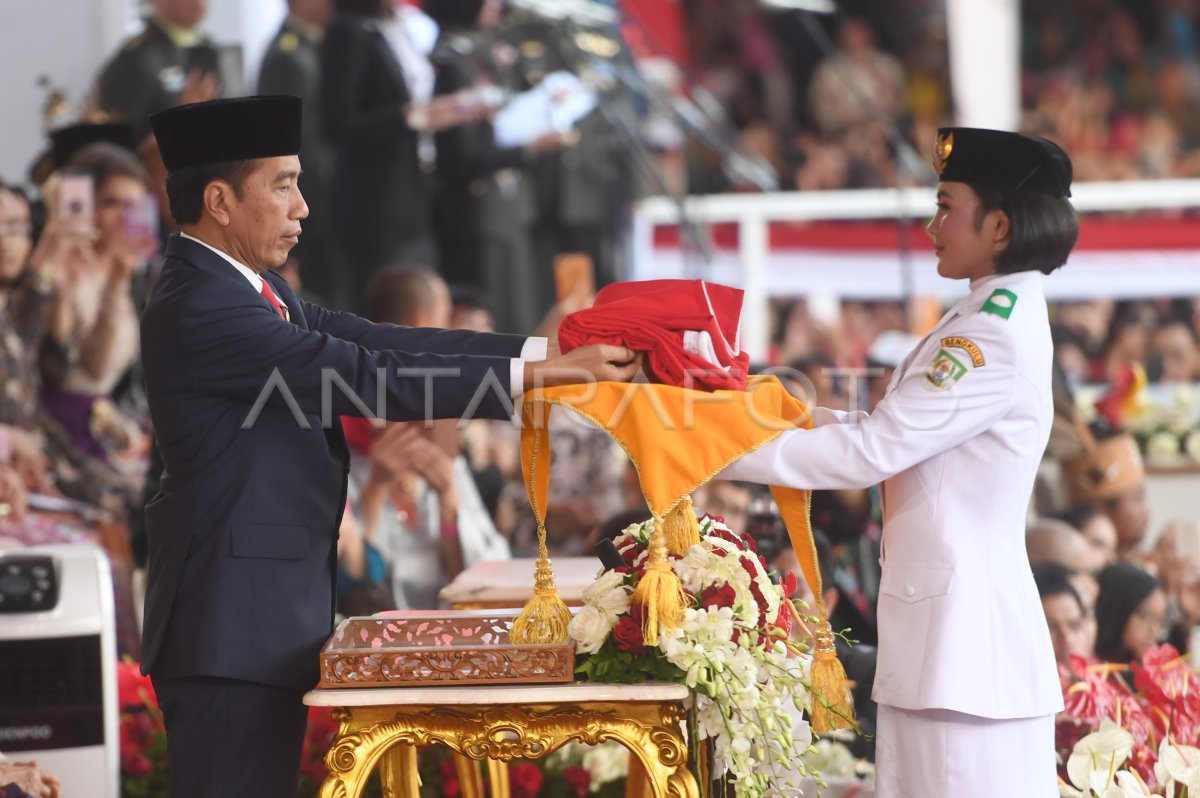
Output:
(596, 363)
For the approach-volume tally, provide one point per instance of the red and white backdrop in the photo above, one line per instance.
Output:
(1139, 255)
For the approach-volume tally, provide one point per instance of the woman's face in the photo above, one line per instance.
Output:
(119, 198)
(15, 235)
(964, 239)
(1072, 630)
(1144, 629)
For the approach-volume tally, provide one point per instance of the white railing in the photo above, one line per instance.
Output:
(753, 213)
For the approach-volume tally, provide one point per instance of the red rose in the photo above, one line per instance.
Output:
(628, 632)
(525, 780)
(718, 596)
(579, 779)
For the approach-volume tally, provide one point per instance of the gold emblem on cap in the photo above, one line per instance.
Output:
(942, 150)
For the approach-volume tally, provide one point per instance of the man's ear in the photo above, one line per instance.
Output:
(999, 227)
(218, 201)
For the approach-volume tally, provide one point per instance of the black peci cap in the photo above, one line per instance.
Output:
(219, 131)
(1003, 159)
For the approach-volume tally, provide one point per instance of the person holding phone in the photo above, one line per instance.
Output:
(966, 668)
(93, 339)
(169, 62)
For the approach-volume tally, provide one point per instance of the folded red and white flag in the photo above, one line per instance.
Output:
(687, 328)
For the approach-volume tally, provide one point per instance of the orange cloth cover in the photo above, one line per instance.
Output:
(678, 439)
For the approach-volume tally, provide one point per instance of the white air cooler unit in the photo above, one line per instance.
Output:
(58, 685)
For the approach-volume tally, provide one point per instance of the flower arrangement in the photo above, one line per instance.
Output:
(143, 737)
(1120, 741)
(730, 648)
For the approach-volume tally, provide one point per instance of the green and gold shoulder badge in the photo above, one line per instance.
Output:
(948, 368)
(1000, 303)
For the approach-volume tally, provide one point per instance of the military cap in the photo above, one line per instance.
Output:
(70, 139)
(219, 131)
(1002, 159)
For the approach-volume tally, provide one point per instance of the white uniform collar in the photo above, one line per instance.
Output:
(246, 271)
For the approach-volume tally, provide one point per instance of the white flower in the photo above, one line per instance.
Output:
(1162, 446)
(609, 594)
(606, 762)
(589, 629)
(1104, 750)
(1178, 764)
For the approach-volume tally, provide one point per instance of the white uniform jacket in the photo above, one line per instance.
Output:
(956, 443)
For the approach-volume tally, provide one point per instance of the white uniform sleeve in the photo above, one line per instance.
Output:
(823, 416)
(918, 420)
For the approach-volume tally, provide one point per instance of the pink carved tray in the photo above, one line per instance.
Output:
(424, 649)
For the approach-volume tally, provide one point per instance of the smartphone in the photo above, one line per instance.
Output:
(574, 275)
(203, 57)
(76, 196)
(141, 220)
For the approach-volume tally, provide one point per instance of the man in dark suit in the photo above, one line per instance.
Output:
(167, 63)
(292, 65)
(246, 384)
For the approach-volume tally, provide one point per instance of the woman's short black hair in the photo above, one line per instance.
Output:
(185, 187)
(1042, 229)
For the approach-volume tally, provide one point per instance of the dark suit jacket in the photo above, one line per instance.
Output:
(243, 530)
(380, 196)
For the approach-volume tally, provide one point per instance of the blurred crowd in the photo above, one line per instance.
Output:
(830, 101)
(419, 217)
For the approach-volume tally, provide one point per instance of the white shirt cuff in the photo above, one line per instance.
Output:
(534, 349)
(516, 377)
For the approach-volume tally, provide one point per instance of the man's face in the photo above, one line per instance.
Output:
(1130, 514)
(184, 13)
(264, 223)
(729, 501)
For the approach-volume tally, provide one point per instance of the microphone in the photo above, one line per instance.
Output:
(610, 558)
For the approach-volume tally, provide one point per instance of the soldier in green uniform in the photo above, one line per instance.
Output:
(168, 63)
(582, 194)
(292, 66)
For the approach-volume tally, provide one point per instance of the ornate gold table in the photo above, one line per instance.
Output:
(497, 724)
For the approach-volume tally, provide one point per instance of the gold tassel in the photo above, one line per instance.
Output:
(659, 592)
(682, 528)
(546, 616)
(831, 707)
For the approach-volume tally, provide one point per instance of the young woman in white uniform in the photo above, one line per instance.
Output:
(966, 681)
